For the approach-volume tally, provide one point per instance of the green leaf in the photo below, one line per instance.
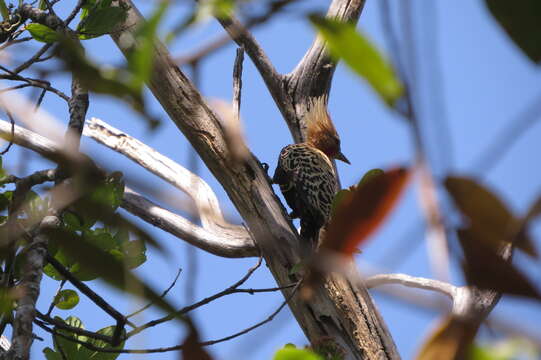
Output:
(142, 58)
(292, 353)
(100, 21)
(66, 299)
(3, 172)
(134, 253)
(100, 238)
(520, 19)
(361, 56)
(111, 192)
(63, 345)
(71, 221)
(34, 207)
(477, 352)
(7, 300)
(4, 10)
(50, 354)
(42, 33)
(106, 266)
(339, 198)
(5, 199)
(370, 174)
(86, 8)
(103, 80)
(214, 8)
(122, 236)
(109, 331)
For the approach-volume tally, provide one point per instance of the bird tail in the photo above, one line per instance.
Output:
(310, 233)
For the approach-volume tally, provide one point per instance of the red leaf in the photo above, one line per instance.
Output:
(489, 216)
(449, 341)
(191, 347)
(364, 209)
(486, 269)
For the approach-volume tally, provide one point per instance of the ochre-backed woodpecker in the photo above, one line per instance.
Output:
(306, 174)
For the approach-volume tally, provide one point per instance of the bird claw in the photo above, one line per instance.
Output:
(293, 215)
(265, 168)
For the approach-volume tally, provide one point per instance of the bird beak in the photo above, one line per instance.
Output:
(342, 157)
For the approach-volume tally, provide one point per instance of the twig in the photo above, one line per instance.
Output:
(503, 141)
(82, 287)
(12, 134)
(52, 304)
(33, 59)
(177, 347)
(411, 281)
(237, 83)
(186, 309)
(162, 296)
(79, 331)
(223, 39)
(263, 64)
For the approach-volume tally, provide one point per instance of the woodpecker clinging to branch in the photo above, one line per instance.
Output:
(306, 174)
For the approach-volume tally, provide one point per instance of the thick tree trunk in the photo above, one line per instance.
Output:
(340, 310)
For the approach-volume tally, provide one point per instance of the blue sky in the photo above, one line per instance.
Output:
(486, 82)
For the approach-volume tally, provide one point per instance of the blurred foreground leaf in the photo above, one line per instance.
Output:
(73, 350)
(111, 81)
(290, 352)
(66, 299)
(486, 269)
(361, 56)
(42, 33)
(486, 215)
(520, 19)
(191, 347)
(362, 209)
(95, 260)
(100, 21)
(449, 341)
(142, 58)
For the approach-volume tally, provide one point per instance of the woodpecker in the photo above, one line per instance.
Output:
(306, 174)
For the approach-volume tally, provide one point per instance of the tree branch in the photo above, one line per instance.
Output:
(222, 243)
(26, 306)
(411, 281)
(341, 309)
(228, 244)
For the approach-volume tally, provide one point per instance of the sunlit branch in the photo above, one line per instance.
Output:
(224, 243)
(411, 281)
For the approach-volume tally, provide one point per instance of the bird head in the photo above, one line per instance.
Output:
(320, 131)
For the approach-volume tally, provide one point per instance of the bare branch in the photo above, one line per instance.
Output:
(237, 83)
(411, 281)
(263, 64)
(205, 200)
(165, 292)
(176, 347)
(220, 243)
(224, 242)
